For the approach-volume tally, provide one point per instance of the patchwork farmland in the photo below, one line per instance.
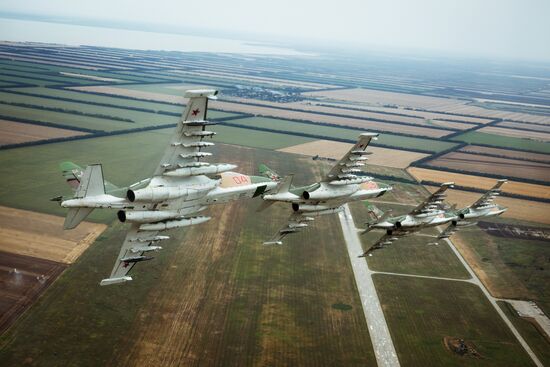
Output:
(214, 294)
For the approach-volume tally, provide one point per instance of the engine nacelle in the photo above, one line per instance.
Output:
(398, 224)
(146, 216)
(162, 193)
(461, 215)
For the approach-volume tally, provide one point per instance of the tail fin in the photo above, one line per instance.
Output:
(269, 173)
(198, 104)
(280, 193)
(379, 216)
(374, 210)
(284, 185)
(91, 184)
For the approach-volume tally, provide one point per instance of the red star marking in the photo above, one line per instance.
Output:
(125, 265)
(196, 112)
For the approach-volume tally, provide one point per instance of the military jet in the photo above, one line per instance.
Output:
(181, 187)
(341, 185)
(484, 207)
(428, 214)
(433, 212)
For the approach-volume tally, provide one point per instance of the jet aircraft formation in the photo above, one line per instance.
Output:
(183, 186)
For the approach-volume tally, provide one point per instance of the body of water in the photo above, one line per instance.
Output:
(15, 30)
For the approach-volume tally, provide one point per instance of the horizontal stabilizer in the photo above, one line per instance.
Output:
(269, 173)
(264, 205)
(200, 93)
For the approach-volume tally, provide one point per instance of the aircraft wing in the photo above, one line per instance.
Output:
(350, 164)
(134, 249)
(181, 160)
(448, 232)
(385, 240)
(489, 197)
(295, 223)
(185, 148)
(433, 202)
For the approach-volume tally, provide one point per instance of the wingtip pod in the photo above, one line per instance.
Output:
(110, 281)
(269, 243)
(369, 135)
(196, 93)
(500, 183)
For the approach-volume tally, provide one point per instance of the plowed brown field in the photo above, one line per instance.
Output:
(516, 133)
(41, 235)
(15, 132)
(336, 150)
(514, 187)
(539, 157)
(23, 279)
(493, 165)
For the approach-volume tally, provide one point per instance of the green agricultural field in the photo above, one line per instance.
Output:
(216, 81)
(34, 176)
(387, 171)
(28, 80)
(39, 76)
(415, 255)
(536, 340)
(68, 119)
(214, 295)
(405, 142)
(344, 133)
(31, 174)
(421, 312)
(256, 139)
(46, 68)
(117, 101)
(141, 118)
(23, 66)
(513, 268)
(475, 137)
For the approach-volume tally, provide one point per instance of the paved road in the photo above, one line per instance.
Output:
(378, 328)
(530, 309)
(424, 276)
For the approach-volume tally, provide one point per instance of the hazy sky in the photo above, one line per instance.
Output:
(503, 28)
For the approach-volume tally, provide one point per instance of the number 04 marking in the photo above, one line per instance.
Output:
(242, 179)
